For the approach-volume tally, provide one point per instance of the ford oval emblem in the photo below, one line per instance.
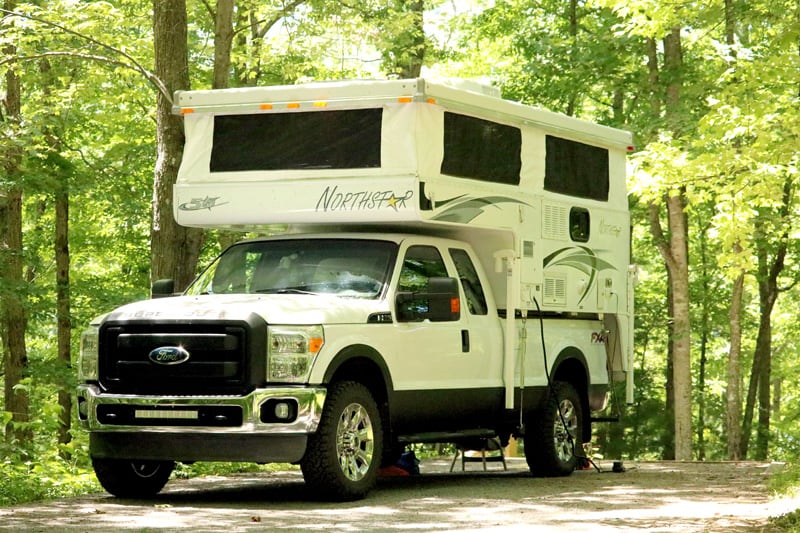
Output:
(169, 355)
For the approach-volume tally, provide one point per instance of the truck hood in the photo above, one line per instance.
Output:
(273, 308)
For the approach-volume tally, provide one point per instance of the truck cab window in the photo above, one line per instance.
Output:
(420, 264)
(473, 290)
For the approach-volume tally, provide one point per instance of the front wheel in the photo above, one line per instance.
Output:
(342, 459)
(554, 433)
(126, 478)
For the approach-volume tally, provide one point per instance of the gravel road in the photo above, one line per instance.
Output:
(655, 496)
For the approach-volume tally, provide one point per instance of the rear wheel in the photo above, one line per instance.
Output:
(127, 478)
(554, 433)
(342, 459)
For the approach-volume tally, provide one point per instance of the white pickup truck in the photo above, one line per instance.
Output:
(454, 267)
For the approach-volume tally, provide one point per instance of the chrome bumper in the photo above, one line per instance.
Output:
(309, 402)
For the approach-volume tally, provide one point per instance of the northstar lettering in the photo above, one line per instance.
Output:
(333, 200)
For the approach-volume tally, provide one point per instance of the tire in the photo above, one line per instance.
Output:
(126, 478)
(342, 458)
(549, 448)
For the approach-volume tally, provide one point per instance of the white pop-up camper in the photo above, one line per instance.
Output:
(455, 267)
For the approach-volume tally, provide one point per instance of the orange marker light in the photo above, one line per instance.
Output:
(320, 104)
(431, 100)
(455, 305)
(187, 110)
(293, 105)
(265, 107)
(314, 344)
(404, 100)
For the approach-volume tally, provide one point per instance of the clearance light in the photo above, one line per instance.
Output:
(187, 110)
(404, 100)
(265, 107)
(631, 148)
(431, 100)
(320, 104)
(293, 105)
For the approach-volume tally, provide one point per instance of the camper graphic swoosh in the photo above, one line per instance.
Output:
(464, 209)
(196, 204)
(580, 258)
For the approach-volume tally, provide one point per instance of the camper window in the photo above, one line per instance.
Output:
(576, 169)
(294, 141)
(480, 149)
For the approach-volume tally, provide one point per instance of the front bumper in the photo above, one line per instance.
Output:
(200, 428)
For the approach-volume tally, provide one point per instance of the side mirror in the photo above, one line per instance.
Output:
(162, 288)
(438, 302)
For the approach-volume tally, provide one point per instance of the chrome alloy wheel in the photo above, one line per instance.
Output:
(354, 442)
(564, 437)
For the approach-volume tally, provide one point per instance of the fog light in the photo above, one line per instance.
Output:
(83, 408)
(282, 410)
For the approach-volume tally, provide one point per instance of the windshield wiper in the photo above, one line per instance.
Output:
(284, 290)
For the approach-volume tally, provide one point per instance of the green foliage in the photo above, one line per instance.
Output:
(26, 482)
(187, 471)
(48, 476)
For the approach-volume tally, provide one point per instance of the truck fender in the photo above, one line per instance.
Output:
(570, 366)
(364, 364)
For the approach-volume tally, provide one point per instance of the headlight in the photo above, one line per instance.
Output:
(87, 363)
(291, 351)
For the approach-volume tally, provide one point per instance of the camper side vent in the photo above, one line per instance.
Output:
(554, 223)
(555, 291)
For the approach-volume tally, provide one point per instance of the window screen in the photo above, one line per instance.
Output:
(576, 169)
(480, 149)
(301, 140)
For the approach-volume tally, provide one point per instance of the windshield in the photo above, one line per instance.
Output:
(344, 267)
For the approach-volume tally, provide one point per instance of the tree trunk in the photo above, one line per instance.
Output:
(63, 321)
(705, 327)
(678, 262)
(733, 393)
(408, 52)
(223, 42)
(174, 249)
(768, 291)
(13, 315)
(668, 431)
(681, 363)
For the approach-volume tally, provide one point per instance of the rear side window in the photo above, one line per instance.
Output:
(576, 169)
(293, 141)
(481, 149)
(470, 282)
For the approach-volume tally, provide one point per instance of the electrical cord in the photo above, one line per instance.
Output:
(554, 392)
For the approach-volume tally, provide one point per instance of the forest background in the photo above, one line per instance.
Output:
(89, 152)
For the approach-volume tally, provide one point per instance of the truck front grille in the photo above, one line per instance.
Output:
(182, 358)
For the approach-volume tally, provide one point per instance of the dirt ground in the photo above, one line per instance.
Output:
(653, 496)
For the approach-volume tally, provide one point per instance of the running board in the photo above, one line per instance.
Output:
(447, 436)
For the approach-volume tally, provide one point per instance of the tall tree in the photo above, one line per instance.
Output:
(674, 248)
(733, 405)
(13, 314)
(174, 249)
(770, 267)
